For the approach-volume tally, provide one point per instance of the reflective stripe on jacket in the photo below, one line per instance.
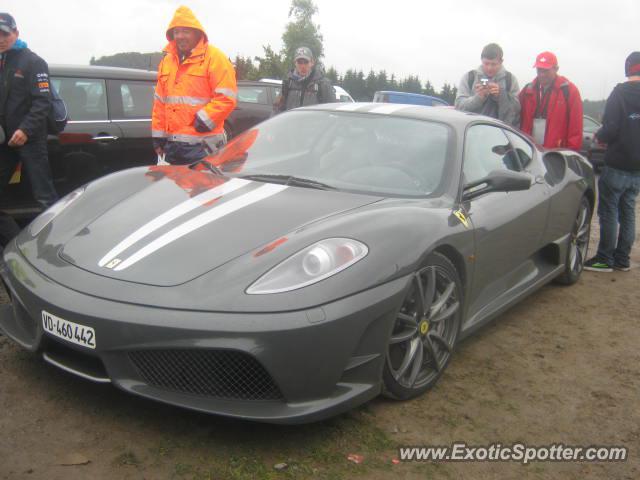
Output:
(202, 86)
(564, 115)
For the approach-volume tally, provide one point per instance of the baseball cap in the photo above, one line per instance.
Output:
(632, 64)
(7, 23)
(546, 60)
(303, 52)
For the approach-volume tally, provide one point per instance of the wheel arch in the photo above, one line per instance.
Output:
(457, 259)
(591, 197)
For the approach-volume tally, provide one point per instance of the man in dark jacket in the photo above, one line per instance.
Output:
(305, 83)
(25, 103)
(619, 182)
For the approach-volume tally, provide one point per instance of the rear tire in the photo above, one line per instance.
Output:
(578, 246)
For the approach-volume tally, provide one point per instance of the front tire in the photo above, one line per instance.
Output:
(425, 330)
(578, 246)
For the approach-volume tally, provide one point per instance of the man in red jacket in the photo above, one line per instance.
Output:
(551, 107)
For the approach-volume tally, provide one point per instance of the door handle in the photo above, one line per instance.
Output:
(104, 138)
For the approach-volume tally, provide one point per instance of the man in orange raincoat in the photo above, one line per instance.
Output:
(196, 91)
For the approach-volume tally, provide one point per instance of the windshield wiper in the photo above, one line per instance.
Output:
(289, 180)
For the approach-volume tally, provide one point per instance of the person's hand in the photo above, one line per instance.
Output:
(18, 139)
(494, 89)
(481, 90)
(158, 145)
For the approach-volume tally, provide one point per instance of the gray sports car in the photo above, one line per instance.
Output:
(328, 255)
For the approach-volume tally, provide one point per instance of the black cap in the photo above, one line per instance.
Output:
(7, 23)
(632, 65)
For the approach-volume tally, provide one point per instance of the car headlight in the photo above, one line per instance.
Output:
(310, 265)
(53, 211)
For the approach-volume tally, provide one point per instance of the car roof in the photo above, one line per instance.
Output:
(93, 71)
(255, 83)
(407, 94)
(419, 112)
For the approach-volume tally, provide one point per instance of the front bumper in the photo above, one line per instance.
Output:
(321, 361)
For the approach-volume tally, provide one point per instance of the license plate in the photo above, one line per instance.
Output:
(69, 331)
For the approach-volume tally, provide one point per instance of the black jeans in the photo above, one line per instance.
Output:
(35, 165)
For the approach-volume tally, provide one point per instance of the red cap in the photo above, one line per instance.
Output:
(546, 60)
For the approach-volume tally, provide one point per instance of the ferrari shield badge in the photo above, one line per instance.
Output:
(461, 216)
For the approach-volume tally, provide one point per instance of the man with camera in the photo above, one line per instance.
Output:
(490, 89)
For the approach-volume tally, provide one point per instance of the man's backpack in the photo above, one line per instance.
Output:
(58, 115)
(471, 76)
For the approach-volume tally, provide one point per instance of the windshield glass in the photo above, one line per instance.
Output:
(376, 154)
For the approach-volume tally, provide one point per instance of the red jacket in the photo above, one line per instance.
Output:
(564, 114)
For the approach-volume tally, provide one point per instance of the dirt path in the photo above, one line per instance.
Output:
(561, 367)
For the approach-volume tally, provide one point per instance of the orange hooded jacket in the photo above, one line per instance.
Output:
(203, 85)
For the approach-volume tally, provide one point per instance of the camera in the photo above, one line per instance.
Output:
(484, 81)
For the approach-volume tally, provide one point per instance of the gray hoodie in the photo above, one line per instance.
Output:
(506, 107)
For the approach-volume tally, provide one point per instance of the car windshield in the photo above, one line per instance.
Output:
(364, 153)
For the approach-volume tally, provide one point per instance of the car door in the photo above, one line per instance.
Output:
(508, 227)
(130, 105)
(90, 139)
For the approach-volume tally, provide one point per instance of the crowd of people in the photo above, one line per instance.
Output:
(196, 91)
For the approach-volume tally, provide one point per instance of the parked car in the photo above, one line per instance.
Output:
(591, 149)
(109, 129)
(327, 255)
(255, 104)
(408, 98)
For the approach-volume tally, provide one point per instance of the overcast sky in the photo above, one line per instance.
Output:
(438, 41)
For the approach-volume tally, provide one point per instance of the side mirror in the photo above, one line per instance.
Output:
(497, 181)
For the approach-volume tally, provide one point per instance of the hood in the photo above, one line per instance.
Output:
(630, 91)
(186, 223)
(184, 17)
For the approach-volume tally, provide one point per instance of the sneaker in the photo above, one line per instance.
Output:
(597, 265)
(621, 268)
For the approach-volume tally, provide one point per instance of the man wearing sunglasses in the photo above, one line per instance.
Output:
(305, 84)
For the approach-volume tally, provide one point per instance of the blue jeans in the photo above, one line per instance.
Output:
(179, 153)
(618, 190)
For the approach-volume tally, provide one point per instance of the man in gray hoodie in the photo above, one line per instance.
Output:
(490, 89)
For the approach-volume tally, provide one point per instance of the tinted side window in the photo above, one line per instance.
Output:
(257, 95)
(486, 149)
(86, 98)
(522, 148)
(137, 99)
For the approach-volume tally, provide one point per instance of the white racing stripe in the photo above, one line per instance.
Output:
(388, 108)
(201, 220)
(177, 211)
